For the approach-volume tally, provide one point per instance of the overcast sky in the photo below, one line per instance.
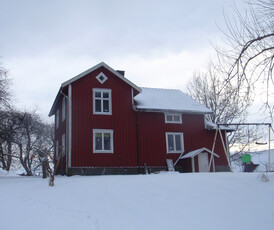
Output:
(157, 43)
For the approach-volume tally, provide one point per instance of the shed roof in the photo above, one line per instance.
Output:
(197, 152)
(168, 100)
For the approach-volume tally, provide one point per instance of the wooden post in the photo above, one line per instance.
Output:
(213, 147)
(193, 164)
(45, 166)
(228, 161)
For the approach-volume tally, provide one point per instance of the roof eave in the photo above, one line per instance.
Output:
(51, 112)
(199, 151)
(172, 111)
(66, 83)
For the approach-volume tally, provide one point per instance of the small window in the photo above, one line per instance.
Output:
(101, 78)
(175, 142)
(57, 118)
(63, 109)
(102, 141)
(102, 101)
(173, 118)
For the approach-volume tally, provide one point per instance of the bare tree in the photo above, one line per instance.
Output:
(6, 126)
(33, 140)
(9, 126)
(4, 88)
(26, 138)
(249, 48)
(228, 103)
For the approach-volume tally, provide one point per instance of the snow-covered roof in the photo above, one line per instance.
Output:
(210, 125)
(196, 152)
(168, 100)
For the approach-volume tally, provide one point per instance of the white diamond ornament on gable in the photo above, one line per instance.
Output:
(101, 77)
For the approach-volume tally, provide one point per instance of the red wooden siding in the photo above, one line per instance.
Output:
(122, 122)
(153, 140)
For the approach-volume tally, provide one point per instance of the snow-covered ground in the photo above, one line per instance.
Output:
(260, 158)
(156, 201)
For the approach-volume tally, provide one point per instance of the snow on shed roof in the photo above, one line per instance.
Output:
(196, 152)
(168, 100)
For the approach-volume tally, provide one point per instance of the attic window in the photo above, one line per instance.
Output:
(101, 78)
(173, 118)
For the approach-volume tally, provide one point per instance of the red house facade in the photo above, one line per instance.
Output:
(105, 124)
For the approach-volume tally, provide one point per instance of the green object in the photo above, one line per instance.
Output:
(246, 158)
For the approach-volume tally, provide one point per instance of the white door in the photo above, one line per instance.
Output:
(203, 162)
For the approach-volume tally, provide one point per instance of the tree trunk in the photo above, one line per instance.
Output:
(23, 161)
(2, 157)
(9, 157)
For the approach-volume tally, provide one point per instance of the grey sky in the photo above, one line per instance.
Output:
(158, 43)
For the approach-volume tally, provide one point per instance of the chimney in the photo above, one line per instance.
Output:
(122, 72)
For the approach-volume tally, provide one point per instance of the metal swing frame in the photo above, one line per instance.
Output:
(218, 130)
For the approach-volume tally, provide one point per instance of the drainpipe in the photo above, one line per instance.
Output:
(137, 130)
(138, 141)
(68, 128)
(66, 99)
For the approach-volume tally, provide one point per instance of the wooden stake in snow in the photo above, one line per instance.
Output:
(51, 180)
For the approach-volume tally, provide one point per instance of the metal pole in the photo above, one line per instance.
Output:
(269, 126)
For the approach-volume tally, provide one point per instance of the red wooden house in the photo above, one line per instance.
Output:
(105, 124)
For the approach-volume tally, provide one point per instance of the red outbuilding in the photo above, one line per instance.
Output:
(105, 124)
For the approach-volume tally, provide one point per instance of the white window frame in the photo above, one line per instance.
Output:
(63, 109)
(174, 141)
(110, 101)
(57, 118)
(173, 120)
(63, 144)
(102, 131)
(104, 77)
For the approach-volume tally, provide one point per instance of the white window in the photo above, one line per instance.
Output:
(63, 109)
(102, 141)
(63, 144)
(175, 142)
(102, 101)
(57, 118)
(101, 77)
(57, 149)
(173, 118)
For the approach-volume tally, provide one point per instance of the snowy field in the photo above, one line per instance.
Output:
(156, 201)
(260, 158)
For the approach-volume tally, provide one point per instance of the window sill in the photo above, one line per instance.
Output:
(102, 113)
(174, 152)
(171, 122)
(102, 152)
